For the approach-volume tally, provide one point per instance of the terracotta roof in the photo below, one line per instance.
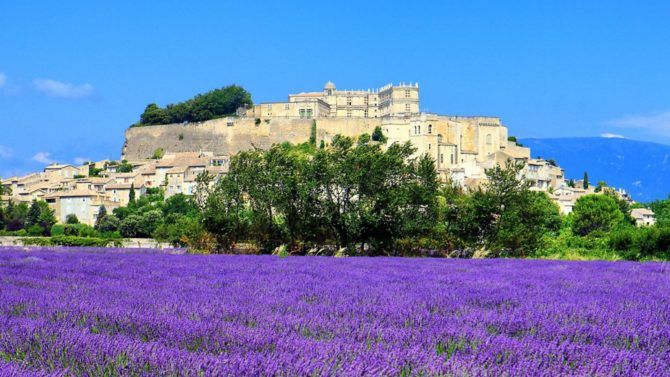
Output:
(58, 166)
(118, 186)
(74, 193)
(176, 170)
(641, 212)
(126, 175)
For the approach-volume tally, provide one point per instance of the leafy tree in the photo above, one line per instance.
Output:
(39, 215)
(595, 213)
(33, 214)
(71, 219)
(124, 167)
(505, 216)
(16, 216)
(130, 226)
(221, 207)
(150, 220)
(179, 204)
(108, 223)
(153, 114)
(623, 205)
(202, 107)
(585, 182)
(378, 135)
(102, 212)
(600, 186)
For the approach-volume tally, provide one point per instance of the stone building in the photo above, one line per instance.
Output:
(387, 101)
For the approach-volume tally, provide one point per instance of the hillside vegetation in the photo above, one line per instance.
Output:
(213, 104)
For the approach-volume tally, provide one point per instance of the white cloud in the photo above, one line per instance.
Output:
(658, 123)
(3, 79)
(6, 152)
(53, 88)
(608, 135)
(81, 160)
(43, 157)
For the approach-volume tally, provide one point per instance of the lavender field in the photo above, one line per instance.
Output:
(148, 314)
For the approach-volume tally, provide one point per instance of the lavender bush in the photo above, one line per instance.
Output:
(157, 314)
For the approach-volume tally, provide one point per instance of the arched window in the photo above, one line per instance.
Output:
(430, 129)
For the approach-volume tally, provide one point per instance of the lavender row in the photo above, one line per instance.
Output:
(164, 314)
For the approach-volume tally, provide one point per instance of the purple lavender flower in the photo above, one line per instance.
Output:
(143, 313)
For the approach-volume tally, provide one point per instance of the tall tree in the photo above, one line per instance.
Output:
(102, 212)
(585, 181)
(131, 196)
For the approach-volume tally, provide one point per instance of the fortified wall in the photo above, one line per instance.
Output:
(228, 136)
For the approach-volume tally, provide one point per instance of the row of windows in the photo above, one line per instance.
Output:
(417, 129)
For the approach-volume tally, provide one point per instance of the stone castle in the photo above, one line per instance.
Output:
(462, 147)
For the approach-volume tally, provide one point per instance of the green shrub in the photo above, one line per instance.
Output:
(35, 231)
(70, 241)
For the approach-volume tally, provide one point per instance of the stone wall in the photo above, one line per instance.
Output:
(228, 136)
(125, 243)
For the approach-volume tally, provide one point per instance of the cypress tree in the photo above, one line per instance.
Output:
(586, 181)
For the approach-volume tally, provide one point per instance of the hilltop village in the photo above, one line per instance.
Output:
(172, 156)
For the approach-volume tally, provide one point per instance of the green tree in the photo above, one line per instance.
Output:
(130, 226)
(71, 219)
(505, 216)
(108, 223)
(595, 213)
(16, 216)
(585, 182)
(40, 215)
(131, 196)
(150, 220)
(153, 114)
(33, 214)
(378, 135)
(220, 208)
(102, 212)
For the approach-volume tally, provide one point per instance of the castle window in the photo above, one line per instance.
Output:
(419, 129)
(428, 146)
(348, 113)
(407, 109)
(488, 139)
(407, 94)
(430, 129)
(348, 101)
(365, 113)
(365, 100)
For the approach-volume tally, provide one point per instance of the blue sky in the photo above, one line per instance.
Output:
(75, 74)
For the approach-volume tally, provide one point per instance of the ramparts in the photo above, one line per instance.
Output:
(227, 136)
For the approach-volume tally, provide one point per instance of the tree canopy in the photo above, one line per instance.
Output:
(210, 105)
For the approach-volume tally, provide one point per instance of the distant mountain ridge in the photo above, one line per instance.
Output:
(641, 168)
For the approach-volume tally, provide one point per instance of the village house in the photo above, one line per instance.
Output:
(83, 203)
(643, 216)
